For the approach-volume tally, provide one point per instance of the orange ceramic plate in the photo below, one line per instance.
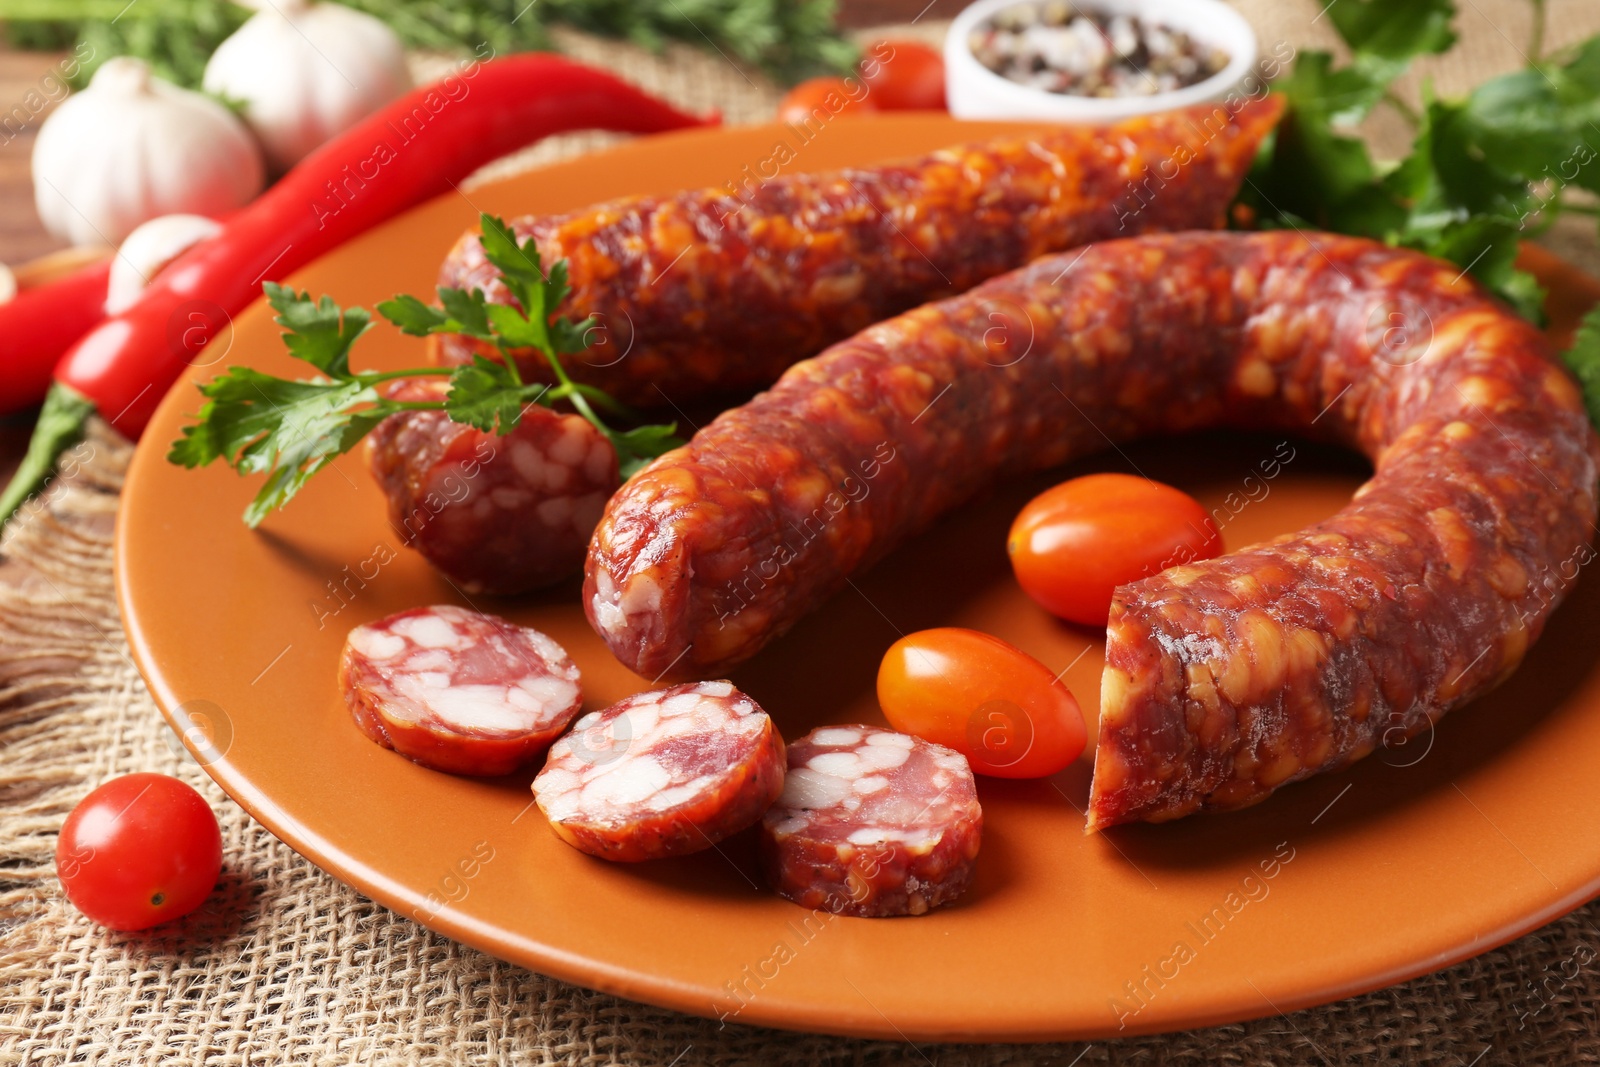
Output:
(1417, 858)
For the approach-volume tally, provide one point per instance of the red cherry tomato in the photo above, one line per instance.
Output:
(141, 850)
(812, 103)
(1074, 544)
(904, 76)
(995, 704)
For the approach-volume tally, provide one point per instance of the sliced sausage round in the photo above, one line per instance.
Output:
(662, 774)
(458, 691)
(872, 823)
(493, 514)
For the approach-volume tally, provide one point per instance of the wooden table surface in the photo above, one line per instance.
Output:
(21, 235)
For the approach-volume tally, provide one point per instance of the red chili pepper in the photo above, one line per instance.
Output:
(41, 323)
(416, 148)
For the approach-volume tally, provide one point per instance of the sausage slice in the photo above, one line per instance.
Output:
(458, 691)
(662, 774)
(872, 823)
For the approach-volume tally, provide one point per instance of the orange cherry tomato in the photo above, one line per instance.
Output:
(813, 103)
(1074, 544)
(995, 704)
(904, 76)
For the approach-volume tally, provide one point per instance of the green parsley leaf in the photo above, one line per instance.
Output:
(637, 447)
(518, 265)
(289, 430)
(1578, 79)
(1310, 171)
(483, 394)
(1396, 30)
(467, 314)
(516, 329)
(1583, 359)
(1461, 175)
(413, 316)
(1518, 121)
(458, 312)
(1338, 96)
(556, 287)
(570, 337)
(320, 332)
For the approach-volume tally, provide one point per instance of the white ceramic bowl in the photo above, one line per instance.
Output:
(976, 92)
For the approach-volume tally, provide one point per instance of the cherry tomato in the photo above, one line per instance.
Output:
(1074, 544)
(904, 76)
(995, 704)
(812, 103)
(141, 850)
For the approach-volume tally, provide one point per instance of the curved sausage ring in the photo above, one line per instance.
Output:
(1224, 679)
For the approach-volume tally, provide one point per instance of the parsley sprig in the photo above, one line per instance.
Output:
(1584, 360)
(789, 39)
(1484, 171)
(289, 429)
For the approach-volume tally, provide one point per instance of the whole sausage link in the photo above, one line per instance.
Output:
(717, 291)
(1224, 679)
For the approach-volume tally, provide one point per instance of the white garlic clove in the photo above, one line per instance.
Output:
(132, 147)
(148, 250)
(305, 72)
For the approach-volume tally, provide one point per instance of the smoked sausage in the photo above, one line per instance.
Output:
(1224, 679)
(714, 292)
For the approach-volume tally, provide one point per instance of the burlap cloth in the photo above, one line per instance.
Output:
(287, 965)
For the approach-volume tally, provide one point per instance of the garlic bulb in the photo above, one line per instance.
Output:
(131, 147)
(306, 71)
(150, 248)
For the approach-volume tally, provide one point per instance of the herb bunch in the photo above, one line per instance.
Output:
(1583, 359)
(1484, 172)
(788, 39)
(290, 429)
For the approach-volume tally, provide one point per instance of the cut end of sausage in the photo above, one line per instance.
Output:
(496, 514)
(872, 823)
(458, 691)
(660, 774)
(633, 592)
